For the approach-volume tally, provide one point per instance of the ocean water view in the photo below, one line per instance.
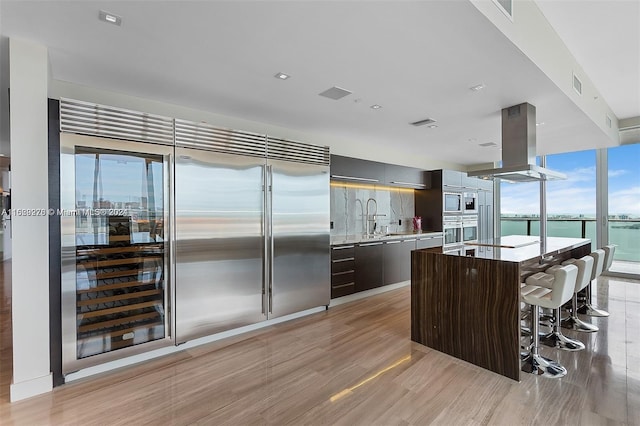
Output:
(624, 233)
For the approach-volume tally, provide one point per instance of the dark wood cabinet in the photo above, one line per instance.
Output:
(369, 265)
(428, 242)
(407, 177)
(356, 170)
(397, 261)
(342, 270)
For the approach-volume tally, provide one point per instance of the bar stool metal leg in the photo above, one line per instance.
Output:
(536, 363)
(589, 309)
(575, 323)
(556, 339)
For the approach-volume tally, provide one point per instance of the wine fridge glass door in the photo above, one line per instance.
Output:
(117, 203)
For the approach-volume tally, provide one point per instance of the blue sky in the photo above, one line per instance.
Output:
(576, 195)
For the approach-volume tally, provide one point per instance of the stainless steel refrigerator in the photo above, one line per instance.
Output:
(252, 228)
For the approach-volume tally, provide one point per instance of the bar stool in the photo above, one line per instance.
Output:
(555, 338)
(585, 269)
(598, 267)
(538, 296)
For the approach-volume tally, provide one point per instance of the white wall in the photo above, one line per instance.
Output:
(4, 97)
(28, 75)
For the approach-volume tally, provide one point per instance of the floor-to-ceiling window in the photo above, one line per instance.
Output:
(623, 224)
(572, 203)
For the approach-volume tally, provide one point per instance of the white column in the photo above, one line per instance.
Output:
(28, 80)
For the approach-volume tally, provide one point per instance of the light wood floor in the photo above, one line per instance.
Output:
(354, 364)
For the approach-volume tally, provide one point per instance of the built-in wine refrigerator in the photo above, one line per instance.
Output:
(116, 254)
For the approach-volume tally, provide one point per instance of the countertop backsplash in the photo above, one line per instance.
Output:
(349, 206)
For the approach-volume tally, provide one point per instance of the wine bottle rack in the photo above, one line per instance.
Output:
(119, 295)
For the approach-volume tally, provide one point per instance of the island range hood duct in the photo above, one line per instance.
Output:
(519, 149)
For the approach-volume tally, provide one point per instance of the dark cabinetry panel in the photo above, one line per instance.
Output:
(342, 270)
(357, 170)
(407, 177)
(397, 261)
(428, 242)
(369, 266)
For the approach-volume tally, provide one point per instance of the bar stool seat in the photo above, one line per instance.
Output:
(562, 286)
(585, 269)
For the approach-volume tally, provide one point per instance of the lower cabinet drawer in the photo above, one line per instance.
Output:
(342, 265)
(343, 289)
(342, 283)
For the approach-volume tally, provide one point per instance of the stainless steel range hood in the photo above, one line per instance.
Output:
(519, 149)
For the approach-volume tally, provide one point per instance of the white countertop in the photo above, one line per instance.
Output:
(359, 238)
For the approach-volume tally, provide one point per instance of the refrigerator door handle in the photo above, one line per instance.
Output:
(269, 209)
(265, 236)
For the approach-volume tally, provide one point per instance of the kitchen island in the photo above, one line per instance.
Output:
(469, 306)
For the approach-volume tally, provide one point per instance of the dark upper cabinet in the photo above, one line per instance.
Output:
(356, 170)
(407, 177)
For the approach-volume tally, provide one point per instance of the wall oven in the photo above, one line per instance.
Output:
(452, 202)
(452, 231)
(469, 229)
(469, 202)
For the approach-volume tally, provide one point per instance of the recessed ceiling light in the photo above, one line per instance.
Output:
(477, 88)
(282, 76)
(109, 17)
(540, 124)
(432, 126)
(376, 106)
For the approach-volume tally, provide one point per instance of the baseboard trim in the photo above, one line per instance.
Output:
(29, 388)
(367, 293)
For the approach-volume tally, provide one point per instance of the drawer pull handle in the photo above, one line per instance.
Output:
(346, 259)
(343, 285)
(343, 272)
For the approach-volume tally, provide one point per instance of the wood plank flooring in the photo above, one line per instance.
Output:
(354, 364)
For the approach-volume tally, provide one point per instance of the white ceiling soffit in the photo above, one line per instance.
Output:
(415, 59)
(604, 37)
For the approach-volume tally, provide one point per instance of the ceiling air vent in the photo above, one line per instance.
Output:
(506, 6)
(335, 93)
(577, 84)
(423, 122)
(488, 144)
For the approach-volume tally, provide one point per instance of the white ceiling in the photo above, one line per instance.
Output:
(604, 37)
(416, 59)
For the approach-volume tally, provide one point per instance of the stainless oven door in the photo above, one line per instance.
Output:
(451, 233)
(469, 231)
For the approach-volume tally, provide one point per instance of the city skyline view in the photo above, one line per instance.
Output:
(576, 195)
